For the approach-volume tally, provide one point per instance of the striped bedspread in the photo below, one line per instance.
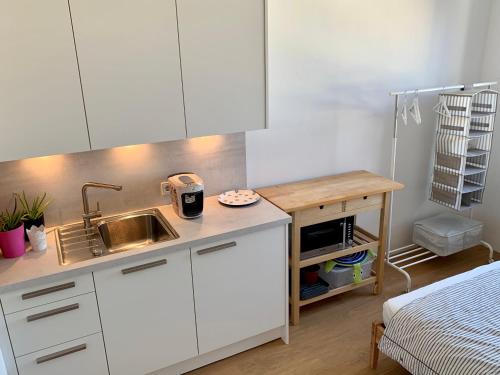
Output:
(453, 331)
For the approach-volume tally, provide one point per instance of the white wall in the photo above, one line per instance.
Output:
(331, 66)
(489, 212)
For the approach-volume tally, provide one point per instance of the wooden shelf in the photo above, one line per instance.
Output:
(342, 289)
(363, 240)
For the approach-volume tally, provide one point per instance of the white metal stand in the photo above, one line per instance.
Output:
(415, 254)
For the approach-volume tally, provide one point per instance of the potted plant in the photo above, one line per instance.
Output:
(33, 211)
(12, 232)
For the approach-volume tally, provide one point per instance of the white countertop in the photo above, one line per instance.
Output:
(217, 223)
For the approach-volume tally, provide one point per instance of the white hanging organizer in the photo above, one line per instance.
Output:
(464, 132)
(463, 145)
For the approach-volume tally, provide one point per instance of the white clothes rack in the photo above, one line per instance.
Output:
(398, 258)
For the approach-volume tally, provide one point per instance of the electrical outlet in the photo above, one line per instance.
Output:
(164, 188)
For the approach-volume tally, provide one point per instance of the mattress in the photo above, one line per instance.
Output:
(392, 306)
(450, 331)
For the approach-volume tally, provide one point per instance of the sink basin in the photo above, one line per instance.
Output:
(111, 235)
(135, 230)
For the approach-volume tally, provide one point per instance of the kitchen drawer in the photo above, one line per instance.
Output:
(53, 323)
(320, 214)
(368, 202)
(26, 298)
(78, 357)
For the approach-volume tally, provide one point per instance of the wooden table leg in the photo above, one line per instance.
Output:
(382, 235)
(295, 274)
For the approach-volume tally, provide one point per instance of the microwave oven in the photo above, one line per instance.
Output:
(324, 238)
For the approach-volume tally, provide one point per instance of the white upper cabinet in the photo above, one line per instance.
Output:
(41, 106)
(222, 46)
(130, 68)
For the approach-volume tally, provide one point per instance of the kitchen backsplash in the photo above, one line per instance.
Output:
(219, 160)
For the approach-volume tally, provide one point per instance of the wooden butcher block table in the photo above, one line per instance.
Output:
(328, 198)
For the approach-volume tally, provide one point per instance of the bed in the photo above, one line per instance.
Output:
(447, 328)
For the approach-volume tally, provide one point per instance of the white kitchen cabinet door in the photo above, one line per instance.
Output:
(222, 46)
(129, 61)
(239, 287)
(147, 313)
(41, 106)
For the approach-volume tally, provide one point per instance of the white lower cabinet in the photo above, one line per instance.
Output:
(147, 313)
(78, 357)
(239, 287)
(155, 313)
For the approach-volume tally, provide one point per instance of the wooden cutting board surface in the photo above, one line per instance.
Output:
(297, 196)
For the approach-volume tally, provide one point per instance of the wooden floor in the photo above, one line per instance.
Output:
(334, 335)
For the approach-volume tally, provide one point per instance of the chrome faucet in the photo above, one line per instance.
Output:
(87, 214)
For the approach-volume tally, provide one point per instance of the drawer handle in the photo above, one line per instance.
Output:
(52, 289)
(59, 310)
(145, 266)
(62, 353)
(216, 248)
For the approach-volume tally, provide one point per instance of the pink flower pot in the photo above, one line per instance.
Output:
(12, 242)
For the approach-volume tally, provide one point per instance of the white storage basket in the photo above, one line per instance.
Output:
(447, 233)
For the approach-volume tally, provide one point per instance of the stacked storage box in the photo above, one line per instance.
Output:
(345, 269)
(463, 144)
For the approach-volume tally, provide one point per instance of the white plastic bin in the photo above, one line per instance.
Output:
(340, 276)
(447, 233)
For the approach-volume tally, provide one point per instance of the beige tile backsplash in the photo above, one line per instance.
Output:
(219, 160)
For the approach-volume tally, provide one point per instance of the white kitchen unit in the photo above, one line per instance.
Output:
(41, 106)
(239, 287)
(147, 313)
(130, 68)
(222, 45)
(166, 308)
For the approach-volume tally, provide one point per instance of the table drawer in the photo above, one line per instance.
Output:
(51, 324)
(368, 202)
(26, 298)
(78, 357)
(320, 214)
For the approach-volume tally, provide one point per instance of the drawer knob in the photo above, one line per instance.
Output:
(62, 353)
(216, 248)
(52, 289)
(46, 314)
(145, 266)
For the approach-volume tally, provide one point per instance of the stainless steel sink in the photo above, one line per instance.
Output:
(111, 235)
(134, 230)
